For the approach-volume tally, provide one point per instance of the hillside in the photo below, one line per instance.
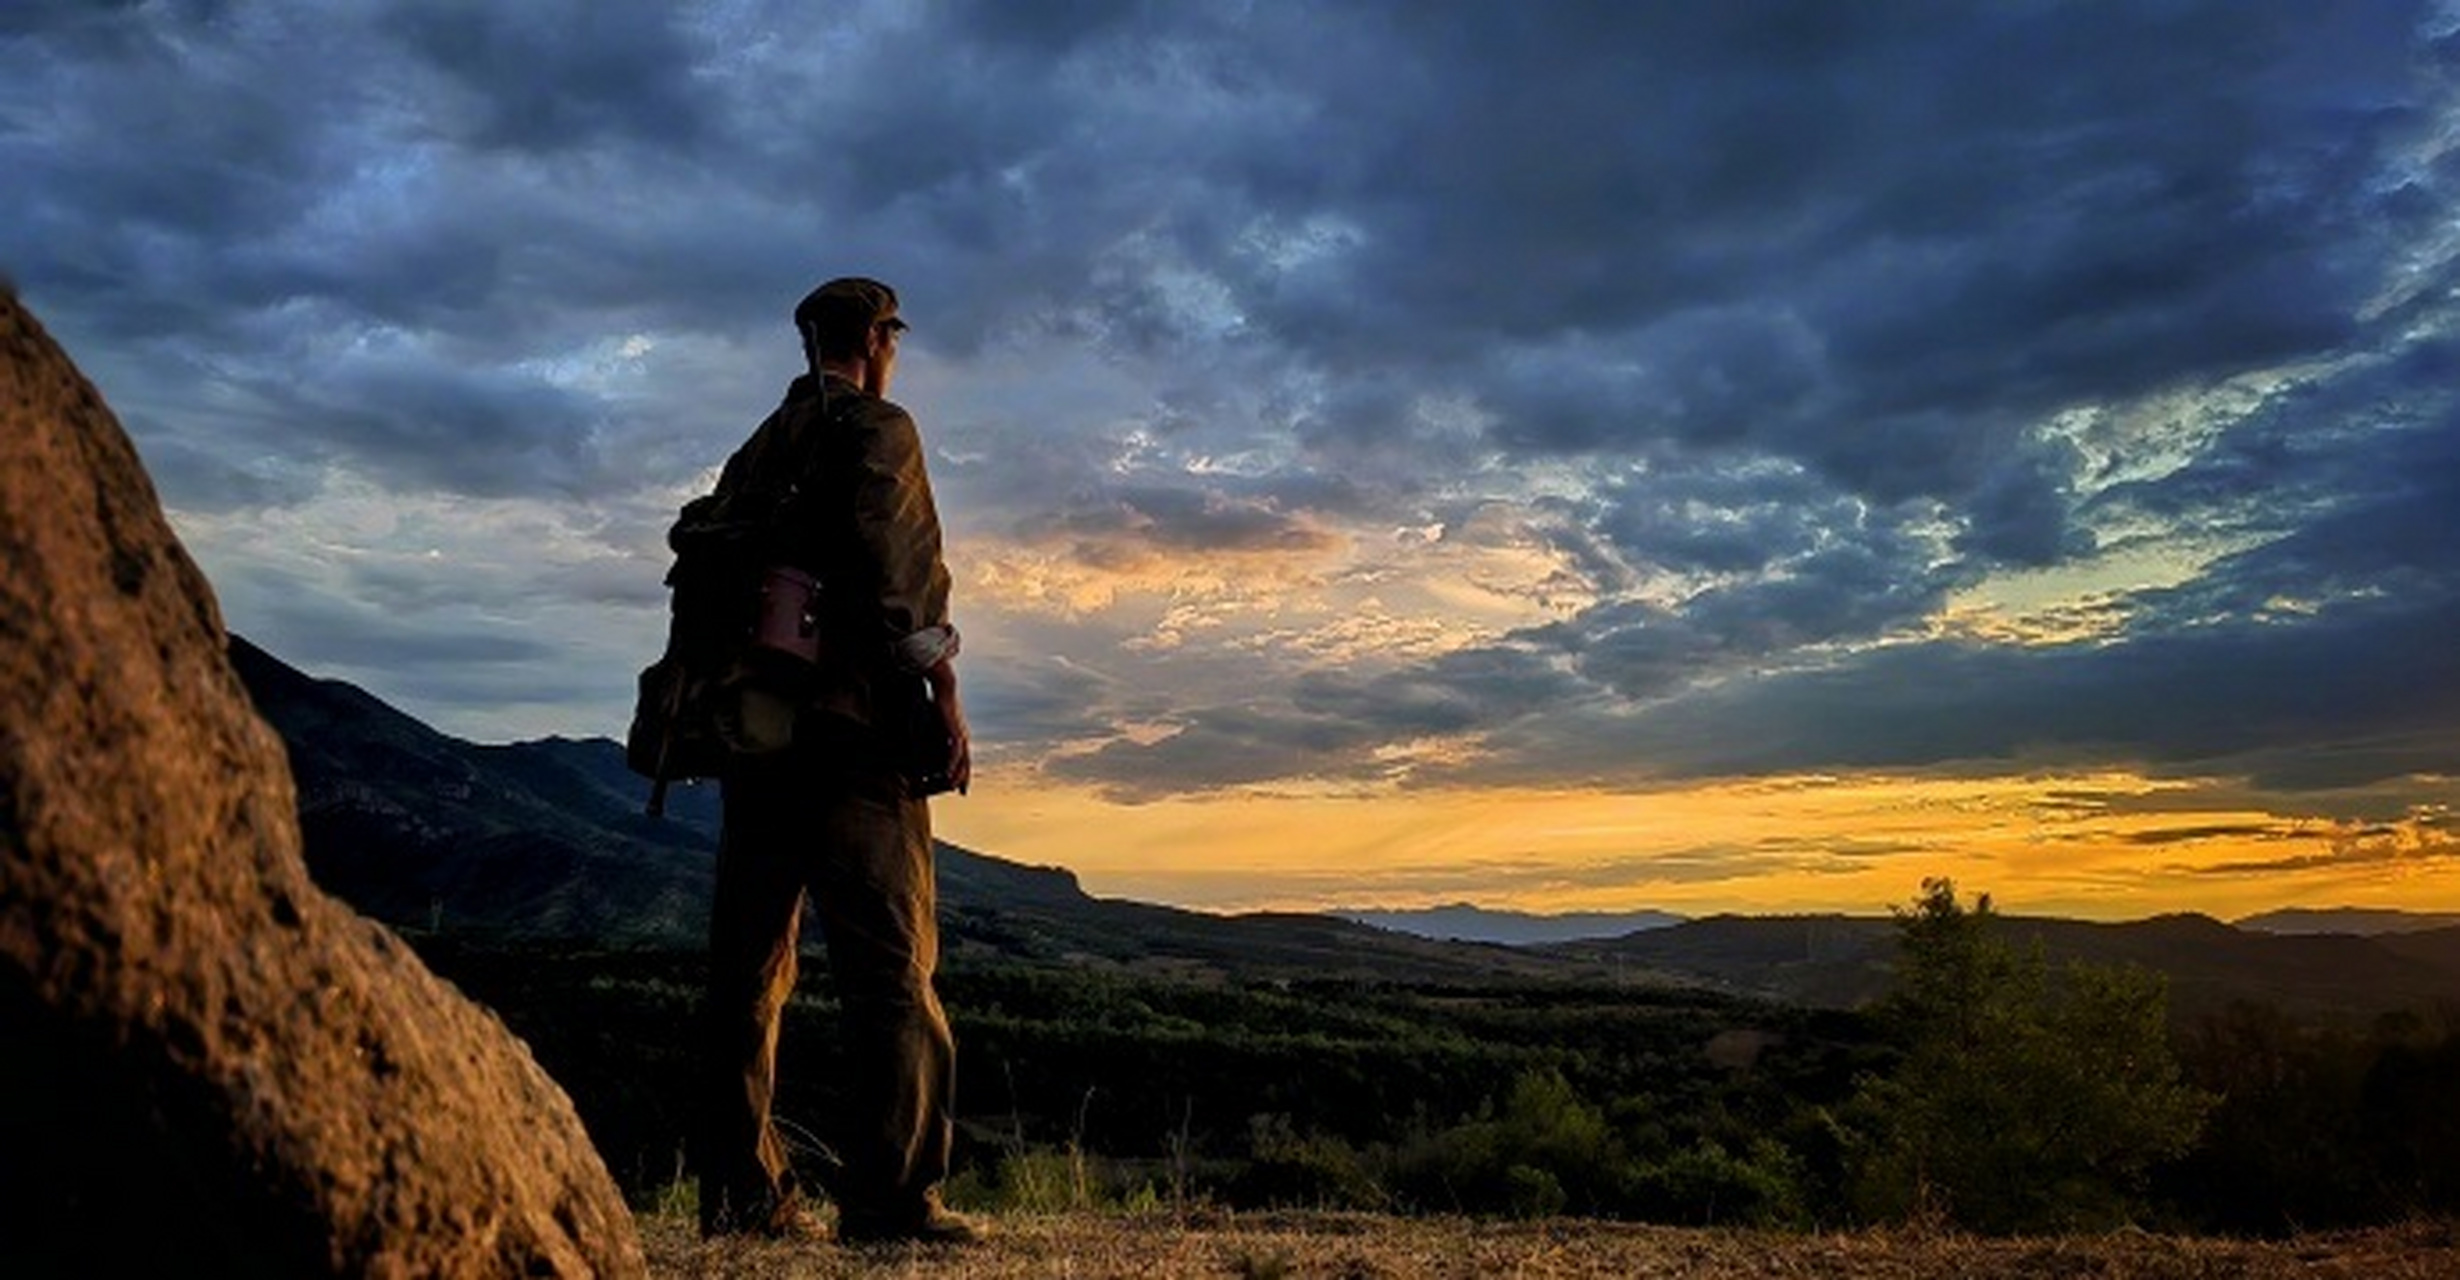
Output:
(1841, 961)
(2359, 920)
(1467, 922)
(546, 841)
(426, 831)
(1128, 1054)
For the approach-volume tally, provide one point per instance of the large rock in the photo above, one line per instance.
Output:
(207, 1066)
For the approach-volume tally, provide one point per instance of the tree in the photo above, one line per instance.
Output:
(2027, 1098)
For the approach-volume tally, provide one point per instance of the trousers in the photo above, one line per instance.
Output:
(857, 847)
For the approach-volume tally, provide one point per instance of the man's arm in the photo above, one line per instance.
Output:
(899, 530)
(943, 677)
(899, 526)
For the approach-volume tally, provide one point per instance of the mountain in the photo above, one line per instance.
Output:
(2366, 921)
(547, 839)
(1833, 960)
(1461, 922)
(426, 831)
(2429, 946)
(1841, 961)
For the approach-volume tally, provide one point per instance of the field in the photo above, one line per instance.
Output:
(1260, 1246)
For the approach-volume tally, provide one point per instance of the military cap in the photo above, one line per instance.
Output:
(849, 304)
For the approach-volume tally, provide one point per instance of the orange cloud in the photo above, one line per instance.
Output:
(1805, 843)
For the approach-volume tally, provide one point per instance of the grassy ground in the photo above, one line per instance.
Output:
(1274, 1246)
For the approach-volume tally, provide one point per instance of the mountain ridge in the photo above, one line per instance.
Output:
(2363, 921)
(1843, 960)
(546, 840)
(1468, 922)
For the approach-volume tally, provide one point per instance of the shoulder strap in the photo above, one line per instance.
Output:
(809, 467)
(815, 443)
(770, 481)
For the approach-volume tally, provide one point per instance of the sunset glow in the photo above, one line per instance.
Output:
(2107, 846)
(1743, 457)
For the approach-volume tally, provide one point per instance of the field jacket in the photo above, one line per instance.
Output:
(863, 522)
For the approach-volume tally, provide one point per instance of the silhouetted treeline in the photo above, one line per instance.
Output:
(1087, 1087)
(2322, 1124)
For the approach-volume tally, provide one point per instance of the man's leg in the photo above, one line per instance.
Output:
(746, 1181)
(876, 900)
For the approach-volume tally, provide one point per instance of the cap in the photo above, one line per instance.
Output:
(847, 303)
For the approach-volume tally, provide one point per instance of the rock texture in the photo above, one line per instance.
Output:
(207, 1065)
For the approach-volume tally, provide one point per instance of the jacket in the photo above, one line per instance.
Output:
(863, 522)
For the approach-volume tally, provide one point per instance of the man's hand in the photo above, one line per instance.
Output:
(943, 677)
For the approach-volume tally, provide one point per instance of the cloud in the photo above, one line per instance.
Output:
(1220, 747)
(2229, 831)
(550, 77)
(2409, 842)
(1350, 396)
(2195, 701)
(1203, 521)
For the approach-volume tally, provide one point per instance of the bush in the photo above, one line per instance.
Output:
(2025, 1100)
(1314, 1170)
(1544, 1152)
(1706, 1185)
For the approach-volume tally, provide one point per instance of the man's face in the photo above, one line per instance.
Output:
(882, 356)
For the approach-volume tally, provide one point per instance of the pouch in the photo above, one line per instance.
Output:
(789, 619)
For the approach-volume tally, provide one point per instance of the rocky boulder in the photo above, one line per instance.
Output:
(207, 1066)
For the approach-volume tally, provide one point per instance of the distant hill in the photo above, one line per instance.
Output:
(2364, 921)
(1833, 960)
(1462, 922)
(427, 831)
(546, 839)
(1841, 961)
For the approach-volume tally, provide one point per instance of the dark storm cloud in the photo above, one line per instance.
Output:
(404, 642)
(2353, 849)
(553, 75)
(2194, 700)
(1328, 726)
(1760, 307)
(2234, 831)
(1226, 746)
(1738, 518)
(2357, 690)
(2023, 511)
(1464, 689)
(1869, 239)
(241, 191)
(1143, 519)
(1042, 701)
(420, 419)
(1863, 577)
(208, 480)
(1799, 220)
(2355, 479)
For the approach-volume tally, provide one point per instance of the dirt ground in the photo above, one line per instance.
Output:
(1286, 1246)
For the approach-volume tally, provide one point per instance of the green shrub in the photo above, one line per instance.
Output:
(1707, 1185)
(1544, 1152)
(2026, 1100)
(1311, 1170)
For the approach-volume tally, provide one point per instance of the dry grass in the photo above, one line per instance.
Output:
(1286, 1246)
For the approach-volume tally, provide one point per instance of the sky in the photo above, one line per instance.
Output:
(1706, 457)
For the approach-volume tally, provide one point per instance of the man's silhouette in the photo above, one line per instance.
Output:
(835, 819)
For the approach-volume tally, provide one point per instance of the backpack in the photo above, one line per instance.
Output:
(742, 639)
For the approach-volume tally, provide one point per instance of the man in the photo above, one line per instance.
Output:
(831, 819)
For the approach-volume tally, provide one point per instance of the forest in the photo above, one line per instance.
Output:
(1989, 1089)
